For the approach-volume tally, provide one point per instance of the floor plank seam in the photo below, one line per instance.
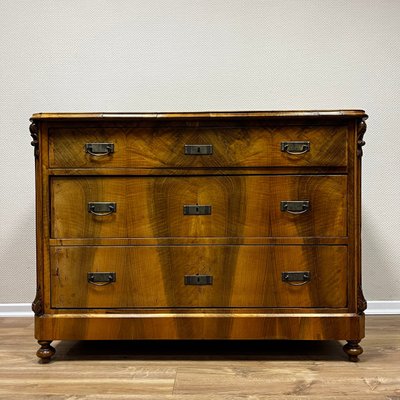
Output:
(173, 387)
(278, 370)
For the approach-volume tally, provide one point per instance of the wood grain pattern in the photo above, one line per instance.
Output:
(242, 206)
(196, 171)
(154, 276)
(307, 114)
(170, 241)
(246, 161)
(163, 147)
(255, 326)
(192, 370)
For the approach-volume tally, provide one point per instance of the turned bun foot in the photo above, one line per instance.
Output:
(353, 350)
(46, 351)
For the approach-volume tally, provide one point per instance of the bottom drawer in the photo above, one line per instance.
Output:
(165, 276)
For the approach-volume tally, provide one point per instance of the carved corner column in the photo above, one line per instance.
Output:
(37, 305)
(34, 130)
(45, 351)
(361, 129)
(352, 348)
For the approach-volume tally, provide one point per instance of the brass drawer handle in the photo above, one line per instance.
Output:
(198, 149)
(99, 149)
(198, 279)
(102, 209)
(295, 147)
(295, 207)
(195, 209)
(101, 278)
(303, 277)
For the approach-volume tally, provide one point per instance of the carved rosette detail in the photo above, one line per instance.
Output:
(361, 129)
(37, 305)
(361, 302)
(34, 130)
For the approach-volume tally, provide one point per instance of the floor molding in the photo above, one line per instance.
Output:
(16, 310)
(382, 307)
(374, 308)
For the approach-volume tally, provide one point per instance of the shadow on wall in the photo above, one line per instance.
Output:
(379, 272)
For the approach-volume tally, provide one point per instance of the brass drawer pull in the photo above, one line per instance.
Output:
(99, 149)
(302, 277)
(295, 147)
(196, 209)
(198, 279)
(198, 149)
(295, 207)
(101, 208)
(101, 278)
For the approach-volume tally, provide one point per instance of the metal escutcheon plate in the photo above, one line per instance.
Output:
(198, 149)
(198, 279)
(196, 210)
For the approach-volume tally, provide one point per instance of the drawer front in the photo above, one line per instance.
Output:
(230, 276)
(217, 206)
(292, 146)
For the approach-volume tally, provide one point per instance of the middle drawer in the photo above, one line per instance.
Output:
(235, 206)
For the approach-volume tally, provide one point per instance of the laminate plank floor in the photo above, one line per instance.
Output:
(188, 370)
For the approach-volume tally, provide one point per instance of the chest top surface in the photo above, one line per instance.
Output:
(204, 114)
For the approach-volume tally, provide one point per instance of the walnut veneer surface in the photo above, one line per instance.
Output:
(229, 225)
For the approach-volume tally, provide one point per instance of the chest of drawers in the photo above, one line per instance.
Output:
(226, 225)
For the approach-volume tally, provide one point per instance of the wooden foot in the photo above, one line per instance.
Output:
(353, 350)
(46, 351)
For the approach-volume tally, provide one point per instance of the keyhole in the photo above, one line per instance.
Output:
(198, 149)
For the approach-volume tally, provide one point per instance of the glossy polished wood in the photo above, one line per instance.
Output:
(246, 242)
(163, 147)
(353, 350)
(242, 206)
(210, 326)
(236, 282)
(214, 114)
(46, 351)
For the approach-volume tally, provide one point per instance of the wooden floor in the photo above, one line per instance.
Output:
(200, 370)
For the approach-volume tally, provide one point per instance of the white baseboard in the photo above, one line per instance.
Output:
(382, 307)
(16, 310)
(374, 308)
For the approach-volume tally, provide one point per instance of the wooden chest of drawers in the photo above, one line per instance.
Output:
(239, 225)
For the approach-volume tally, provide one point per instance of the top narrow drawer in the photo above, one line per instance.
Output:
(198, 147)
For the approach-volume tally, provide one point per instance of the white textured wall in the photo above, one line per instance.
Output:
(183, 55)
